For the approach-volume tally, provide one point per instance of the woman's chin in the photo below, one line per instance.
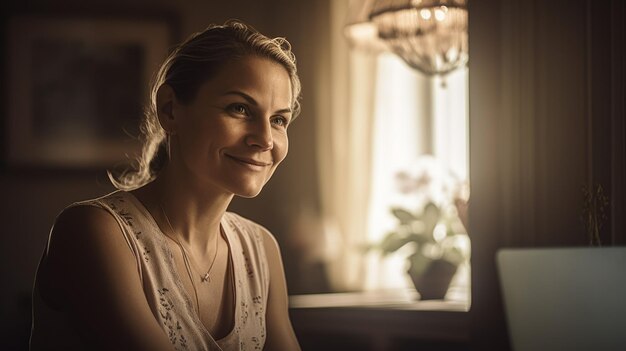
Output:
(249, 191)
(248, 195)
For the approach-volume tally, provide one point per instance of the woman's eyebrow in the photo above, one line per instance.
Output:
(251, 100)
(247, 97)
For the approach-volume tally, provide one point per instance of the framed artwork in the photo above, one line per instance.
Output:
(77, 88)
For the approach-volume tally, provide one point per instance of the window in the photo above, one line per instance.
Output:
(379, 117)
(414, 115)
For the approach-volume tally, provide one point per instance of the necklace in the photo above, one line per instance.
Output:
(206, 277)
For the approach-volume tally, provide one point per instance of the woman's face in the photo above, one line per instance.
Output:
(234, 134)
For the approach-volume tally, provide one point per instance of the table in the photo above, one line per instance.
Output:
(377, 321)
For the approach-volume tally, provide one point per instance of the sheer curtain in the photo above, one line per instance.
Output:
(402, 132)
(345, 150)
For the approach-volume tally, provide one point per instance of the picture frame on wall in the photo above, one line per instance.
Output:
(77, 87)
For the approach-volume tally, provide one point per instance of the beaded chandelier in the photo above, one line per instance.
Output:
(429, 35)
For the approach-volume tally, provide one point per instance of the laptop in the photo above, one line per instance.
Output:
(564, 298)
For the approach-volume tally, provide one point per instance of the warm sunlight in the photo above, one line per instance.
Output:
(420, 132)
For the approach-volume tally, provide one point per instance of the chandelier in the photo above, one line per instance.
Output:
(362, 33)
(429, 35)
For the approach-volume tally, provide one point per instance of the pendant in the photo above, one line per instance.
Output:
(206, 278)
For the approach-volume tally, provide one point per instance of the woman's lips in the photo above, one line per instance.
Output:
(249, 162)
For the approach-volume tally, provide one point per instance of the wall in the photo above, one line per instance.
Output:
(33, 197)
(546, 118)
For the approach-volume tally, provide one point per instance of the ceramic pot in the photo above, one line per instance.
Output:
(434, 282)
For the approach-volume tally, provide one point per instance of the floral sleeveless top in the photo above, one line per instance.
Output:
(168, 300)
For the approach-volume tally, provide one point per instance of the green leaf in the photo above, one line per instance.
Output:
(454, 256)
(420, 239)
(392, 242)
(404, 216)
(431, 217)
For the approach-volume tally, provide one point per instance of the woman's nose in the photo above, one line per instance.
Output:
(260, 135)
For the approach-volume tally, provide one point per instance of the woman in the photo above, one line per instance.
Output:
(160, 264)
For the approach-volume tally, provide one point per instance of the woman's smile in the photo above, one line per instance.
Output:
(250, 163)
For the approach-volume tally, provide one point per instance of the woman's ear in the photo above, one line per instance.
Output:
(166, 103)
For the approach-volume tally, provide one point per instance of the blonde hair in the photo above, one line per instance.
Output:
(190, 64)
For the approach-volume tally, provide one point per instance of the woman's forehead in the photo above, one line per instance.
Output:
(259, 78)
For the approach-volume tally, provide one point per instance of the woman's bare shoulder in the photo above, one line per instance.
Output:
(92, 273)
(80, 225)
(83, 214)
(81, 237)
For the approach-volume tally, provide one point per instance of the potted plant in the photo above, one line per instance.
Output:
(434, 231)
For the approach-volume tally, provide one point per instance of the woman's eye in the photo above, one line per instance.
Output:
(238, 109)
(280, 121)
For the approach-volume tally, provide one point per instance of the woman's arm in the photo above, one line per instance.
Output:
(91, 273)
(280, 334)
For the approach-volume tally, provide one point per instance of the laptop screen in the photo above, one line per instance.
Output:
(564, 298)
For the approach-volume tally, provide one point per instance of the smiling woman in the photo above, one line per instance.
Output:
(234, 134)
(160, 264)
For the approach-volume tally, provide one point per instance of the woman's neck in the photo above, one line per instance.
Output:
(194, 212)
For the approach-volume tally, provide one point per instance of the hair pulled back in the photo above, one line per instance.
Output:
(186, 68)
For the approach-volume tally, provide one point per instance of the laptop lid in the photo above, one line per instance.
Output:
(564, 298)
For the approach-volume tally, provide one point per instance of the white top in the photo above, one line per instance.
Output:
(168, 300)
